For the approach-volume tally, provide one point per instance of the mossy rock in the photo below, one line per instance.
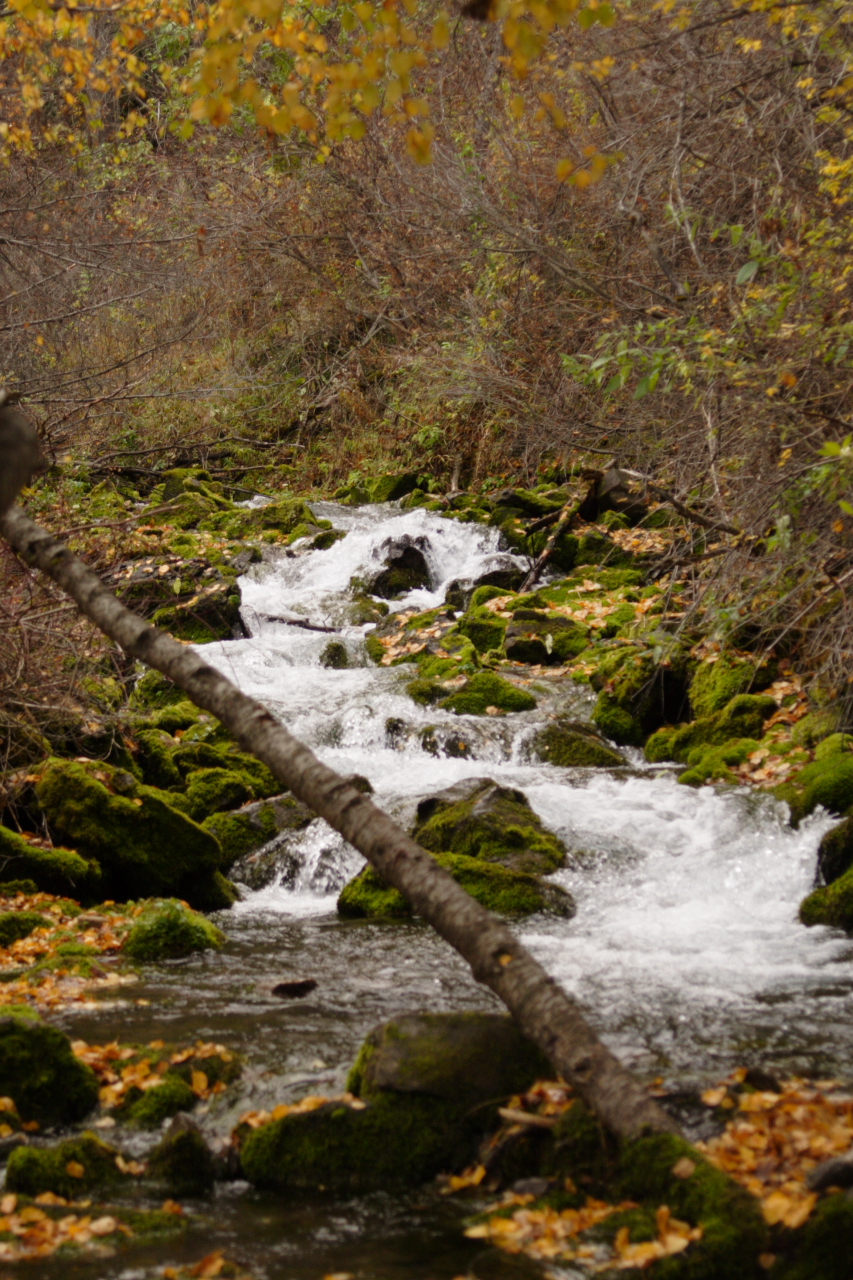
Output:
(240, 834)
(817, 725)
(837, 744)
(835, 852)
(822, 1248)
(831, 904)
(176, 717)
(595, 548)
(714, 684)
(483, 629)
(60, 871)
(389, 488)
(479, 819)
(183, 1160)
(826, 782)
(39, 1071)
(192, 755)
(154, 691)
(470, 1058)
(215, 791)
(213, 613)
(15, 925)
(141, 841)
(715, 764)
(572, 744)
(616, 722)
(742, 717)
(536, 637)
(70, 1169)
(155, 758)
(169, 930)
(335, 655)
(405, 569)
(658, 747)
(637, 693)
(486, 689)
(497, 888)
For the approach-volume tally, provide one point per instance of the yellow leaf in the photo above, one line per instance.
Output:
(199, 1082)
(74, 1169)
(564, 169)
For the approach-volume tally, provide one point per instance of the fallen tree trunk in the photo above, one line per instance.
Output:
(539, 1005)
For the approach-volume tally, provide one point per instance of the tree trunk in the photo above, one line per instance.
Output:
(540, 1007)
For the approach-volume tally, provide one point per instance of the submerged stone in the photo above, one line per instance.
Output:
(573, 744)
(480, 819)
(169, 930)
(69, 1169)
(39, 1071)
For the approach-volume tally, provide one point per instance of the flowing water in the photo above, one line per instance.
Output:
(685, 950)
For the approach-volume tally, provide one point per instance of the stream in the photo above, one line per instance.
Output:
(685, 950)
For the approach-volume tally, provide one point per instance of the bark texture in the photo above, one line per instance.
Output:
(539, 1005)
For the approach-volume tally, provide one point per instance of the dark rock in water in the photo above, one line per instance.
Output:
(295, 988)
(439, 741)
(835, 852)
(183, 1160)
(32, 1171)
(469, 1058)
(335, 655)
(536, 637)
(573, 744)
(405, 568)
(40, 1073)
(250, 828)
(832, 1173)
(431, 1084)
(764, 1081)
(480, 819)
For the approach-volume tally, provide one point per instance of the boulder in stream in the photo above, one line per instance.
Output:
(428, 1086)
(39, 1072)
(404, 568)
(572, 744)
(60, 871)
(182, 1160)
(241, 833)
(70, 1168)
(486, 692)
(546, 639)
(169, 930)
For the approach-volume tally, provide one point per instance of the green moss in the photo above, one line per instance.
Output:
(482, 594)
(389, 488)
(396, 1140)
(835, 745)
(714, 684)
(176, 716)
(709, 764)
(31, 1171)
(536, 637)
(498, 888)
(569, 744)
(239, 835)
(182, 1160)
(375, 649)
(831, 904)
(823, 1247)
(55, 870)
(153, 691)
(638, 691)
(659, 746)
(143, 844)
(486, 689)
(595, 548)
(9, 888)
(617, 723)
(483, 629)
(425, 692)
(827, 782)
(742, 717)
(815, 726)
(216, 790)
(335, 655)
(835, 852)
(155, 758)
(168, 930)
(19, 924)
(41, 1074)
(733, 1230)
(482, 820)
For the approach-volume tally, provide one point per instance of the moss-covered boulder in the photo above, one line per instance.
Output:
(161, 1102)
(39, 1071)
(388, 488)
(485, 690)
(717, 764)
(637, 692)
(714, 684)
(57, 870)
(822, 1248)
(334, 655)
(431, 1083)
(215, 791)
(826, 782)
(155, 758)
(572, 744)
(497, 888)
(483, 629)
(742, 717)
(169, 930)
(537, 637)
(210, 613)
(480, 819)
(70, 1168)
(830, 904)
(143, 845)
(817, 725)
(241, 834)
(182, 1160)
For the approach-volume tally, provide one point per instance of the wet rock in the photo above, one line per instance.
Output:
(437, 740)
(536, 637)
(835, 852)
(137, 836)
(484, 691)
(183, 1160)
(69, 1169)
(170, 1098)
(57, 870)
(827, 782)
(389, 488)
(573, 744)
(294, 988)
(637, 693)
(431, 1084)
(831, 904)
(505, 578)
(39, 1071)
(335, 655)
(240, 834)
(405, 568)
(169, 930)
(714, 684)
(831, 1173)
(479, 819)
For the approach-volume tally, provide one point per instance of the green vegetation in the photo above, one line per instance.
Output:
(72, 1168)
(41, 1074)
(169, 930)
